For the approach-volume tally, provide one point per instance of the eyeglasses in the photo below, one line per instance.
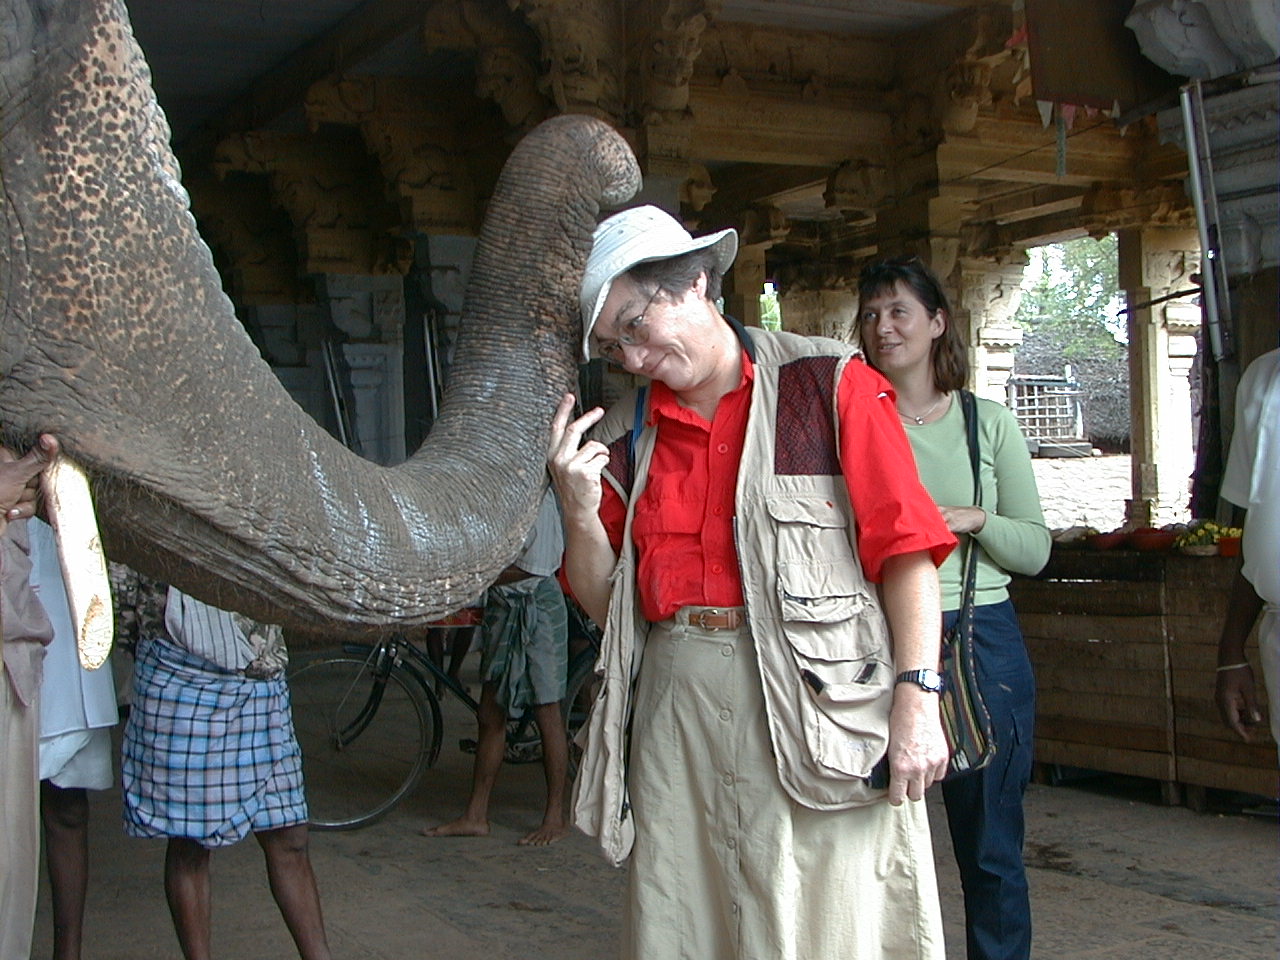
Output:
(634, 332)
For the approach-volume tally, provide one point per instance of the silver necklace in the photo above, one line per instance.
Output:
(919, 421)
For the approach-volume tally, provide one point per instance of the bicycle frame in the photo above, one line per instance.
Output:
(403, 652)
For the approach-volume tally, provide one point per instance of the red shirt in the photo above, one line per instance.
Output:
(683, 526)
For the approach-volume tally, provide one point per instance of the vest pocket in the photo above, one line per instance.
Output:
(835, 636)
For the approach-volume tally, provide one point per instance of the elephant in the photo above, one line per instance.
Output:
(116, 338)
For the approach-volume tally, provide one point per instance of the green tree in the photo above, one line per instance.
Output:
(1070, 315)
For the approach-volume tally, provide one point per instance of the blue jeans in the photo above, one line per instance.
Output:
(984, 808)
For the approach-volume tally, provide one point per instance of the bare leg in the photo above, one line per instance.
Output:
(436, 641)
(293, 884)
(555, 764)
(459, 644)
(186, 886)
(65, 813)
(474, 821)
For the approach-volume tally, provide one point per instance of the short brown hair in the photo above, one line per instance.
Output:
(949, 355)
(674, 275)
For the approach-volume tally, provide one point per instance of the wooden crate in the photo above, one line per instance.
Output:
(1094, 625)
(1124, 646)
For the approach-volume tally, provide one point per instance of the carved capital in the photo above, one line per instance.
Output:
(416, 147)
(963, 89)
(1165, 271)
(581, 48)
(665, 147)
(341, 222)
(991, 291)
(1201, 39)
(252, 240)
(764, 224)
(697, 189)
(507, 59)
(810, 275)
(857, 186)
(1107, 209)
(671, 40)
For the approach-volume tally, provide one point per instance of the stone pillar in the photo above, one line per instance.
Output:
(744, 285)
(990, 291)
(820, 313)
(370, 311)
(1155, 262)
(819, 300)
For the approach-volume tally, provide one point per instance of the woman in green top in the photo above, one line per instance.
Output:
(906, 331)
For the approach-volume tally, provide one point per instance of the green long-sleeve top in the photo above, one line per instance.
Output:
(1014, 537)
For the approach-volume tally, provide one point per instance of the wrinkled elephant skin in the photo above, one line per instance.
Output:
(117, 338)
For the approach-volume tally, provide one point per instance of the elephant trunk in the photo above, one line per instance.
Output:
(119, 340)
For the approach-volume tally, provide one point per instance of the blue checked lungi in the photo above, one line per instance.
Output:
(208, 754)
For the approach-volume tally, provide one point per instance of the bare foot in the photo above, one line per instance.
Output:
(462, 827)
(545, 835)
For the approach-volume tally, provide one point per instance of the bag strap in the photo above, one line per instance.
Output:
(637, 425)
(969, 406)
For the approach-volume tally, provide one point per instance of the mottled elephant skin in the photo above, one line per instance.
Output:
(117, 338)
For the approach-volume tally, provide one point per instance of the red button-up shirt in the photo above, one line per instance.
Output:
(683, 526)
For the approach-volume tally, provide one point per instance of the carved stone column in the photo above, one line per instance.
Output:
(759, 229)
(252, 240)
(581, 53)
(422, 164)
(664, 41)
(745, 283)
(508, 65)
(819, 300)
(1153, 263)
(341, 222)
(990, 292)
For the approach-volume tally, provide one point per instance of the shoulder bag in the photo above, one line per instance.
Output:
(966, 722)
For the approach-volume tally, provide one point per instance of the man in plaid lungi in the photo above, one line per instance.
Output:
(210, 755)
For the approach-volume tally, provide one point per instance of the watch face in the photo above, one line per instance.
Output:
(926, 679)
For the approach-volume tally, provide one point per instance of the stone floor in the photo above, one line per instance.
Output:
(1115, 876)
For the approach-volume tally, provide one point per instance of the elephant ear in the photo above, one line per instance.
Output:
(119, 340)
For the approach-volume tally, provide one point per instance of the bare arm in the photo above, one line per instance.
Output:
(1234, 689)
(917, 749)
(576, 469)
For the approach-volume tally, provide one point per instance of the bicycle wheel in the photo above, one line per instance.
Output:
(366, 736)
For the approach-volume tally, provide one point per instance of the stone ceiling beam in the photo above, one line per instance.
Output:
(743, 126)
(1026, 204)
(360, 35)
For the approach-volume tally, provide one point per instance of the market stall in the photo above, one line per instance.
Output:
(1124, 645)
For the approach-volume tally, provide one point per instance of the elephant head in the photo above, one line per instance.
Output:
(116, 337)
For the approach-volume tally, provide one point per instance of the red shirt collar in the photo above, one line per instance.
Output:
(663, 399)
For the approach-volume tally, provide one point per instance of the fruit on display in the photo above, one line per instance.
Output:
(1207, 532)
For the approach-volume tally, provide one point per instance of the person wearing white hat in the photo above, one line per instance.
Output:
(760, 745)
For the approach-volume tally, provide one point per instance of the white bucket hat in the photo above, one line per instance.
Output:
(637, 236)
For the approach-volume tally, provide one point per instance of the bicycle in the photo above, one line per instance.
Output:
(369, 723)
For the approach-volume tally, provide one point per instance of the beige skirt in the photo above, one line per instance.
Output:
(726, 866)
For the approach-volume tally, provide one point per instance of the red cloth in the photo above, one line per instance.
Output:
(684, 519)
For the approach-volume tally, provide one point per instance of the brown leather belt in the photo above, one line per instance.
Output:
(713, 618)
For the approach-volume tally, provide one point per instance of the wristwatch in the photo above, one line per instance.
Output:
(930, 681)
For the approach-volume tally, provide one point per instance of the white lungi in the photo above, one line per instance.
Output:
(77, 706)
(726, 866)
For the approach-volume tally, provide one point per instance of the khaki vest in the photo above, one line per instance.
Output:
(822, 645)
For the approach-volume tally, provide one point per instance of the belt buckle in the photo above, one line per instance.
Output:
(699, 619)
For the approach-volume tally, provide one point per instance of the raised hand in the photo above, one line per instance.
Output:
(576, 466)
(20, 479)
